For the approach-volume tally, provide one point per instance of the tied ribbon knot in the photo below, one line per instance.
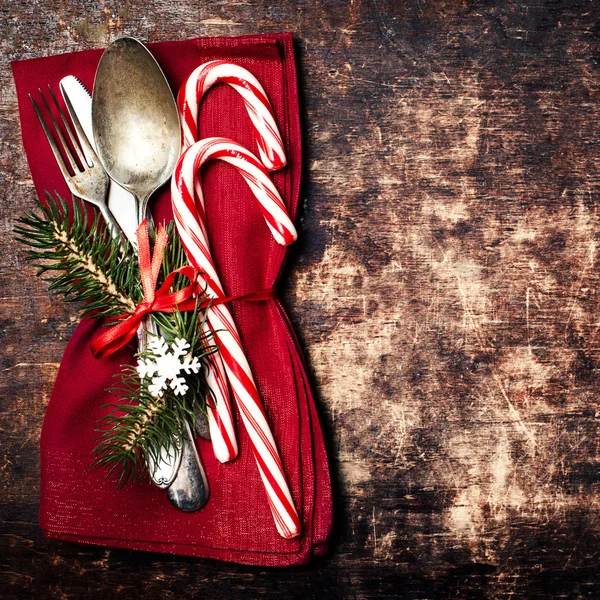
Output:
(161, 299)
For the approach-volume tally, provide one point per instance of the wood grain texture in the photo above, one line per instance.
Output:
(446, 290)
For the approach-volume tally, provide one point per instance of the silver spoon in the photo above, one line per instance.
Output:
(138, 140)
(135, 120)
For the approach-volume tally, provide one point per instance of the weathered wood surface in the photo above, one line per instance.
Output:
(445, 289)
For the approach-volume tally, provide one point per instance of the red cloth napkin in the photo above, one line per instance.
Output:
(77, 503)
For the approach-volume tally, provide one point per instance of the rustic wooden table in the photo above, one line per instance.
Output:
(445, 290)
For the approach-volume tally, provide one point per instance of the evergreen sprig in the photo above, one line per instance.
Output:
(139, 425)
(85, 262)
(88, 265)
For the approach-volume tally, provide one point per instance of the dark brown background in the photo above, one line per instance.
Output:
(445, 288)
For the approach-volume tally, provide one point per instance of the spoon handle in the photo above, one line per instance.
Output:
(189, 491)
(164, 470)
(179, 469)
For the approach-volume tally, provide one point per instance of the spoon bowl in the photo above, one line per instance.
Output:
(135, 120)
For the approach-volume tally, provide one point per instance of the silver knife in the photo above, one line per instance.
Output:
(120, 202)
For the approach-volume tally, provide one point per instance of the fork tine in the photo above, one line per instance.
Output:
(68, 129)
(60, 135)
(85, 144)
(51, 141)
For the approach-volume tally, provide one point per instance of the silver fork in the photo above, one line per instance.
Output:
(88, 182)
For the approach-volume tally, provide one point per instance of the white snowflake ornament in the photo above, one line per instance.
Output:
(166, 365)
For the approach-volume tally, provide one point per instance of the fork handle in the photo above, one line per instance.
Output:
(111, 223)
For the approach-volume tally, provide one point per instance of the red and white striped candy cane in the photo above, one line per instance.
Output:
(272, 153)
(220, 415)
(268, 138)
(189, 212)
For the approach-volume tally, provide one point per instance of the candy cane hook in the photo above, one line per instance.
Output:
(260, 111)
(188, 219)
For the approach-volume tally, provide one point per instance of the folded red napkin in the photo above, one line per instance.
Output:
(76, 502)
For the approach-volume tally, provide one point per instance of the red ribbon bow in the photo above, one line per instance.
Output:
(160, 300)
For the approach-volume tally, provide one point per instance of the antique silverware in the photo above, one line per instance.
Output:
(189, 491)
(138, 139)
(120, 202)
(88, 180)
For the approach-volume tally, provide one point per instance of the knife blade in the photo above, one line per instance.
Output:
(121, 203)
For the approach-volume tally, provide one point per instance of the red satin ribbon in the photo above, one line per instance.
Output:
(160, 300)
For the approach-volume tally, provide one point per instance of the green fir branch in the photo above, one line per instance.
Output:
(140, 424)
(187, 325)
(86, 264)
